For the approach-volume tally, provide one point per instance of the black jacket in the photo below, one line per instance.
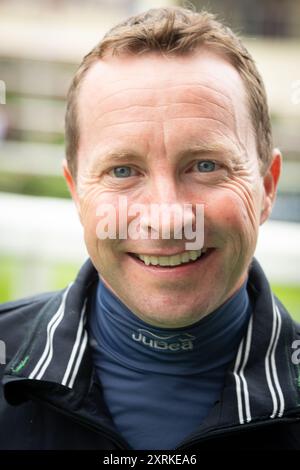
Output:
(51, 400)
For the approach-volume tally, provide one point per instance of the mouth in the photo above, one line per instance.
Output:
(174, 261)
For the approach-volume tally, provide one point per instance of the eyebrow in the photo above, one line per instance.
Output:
(205, 148)
(113, 156)
(200, 150)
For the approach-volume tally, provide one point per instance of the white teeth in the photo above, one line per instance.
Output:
(185, 257)
(173, 260)
(193, 255)
(162, 260)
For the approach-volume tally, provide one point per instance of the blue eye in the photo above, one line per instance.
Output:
(206, 166)
(122, 171)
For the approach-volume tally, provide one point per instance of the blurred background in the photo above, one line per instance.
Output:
(41, 44)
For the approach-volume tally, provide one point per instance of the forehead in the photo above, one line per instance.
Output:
(129, 76)
(124, 93)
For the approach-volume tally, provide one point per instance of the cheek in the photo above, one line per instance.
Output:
(100, 218)
(234, 209)
(89, 221)
(91, 200)
(109, 211)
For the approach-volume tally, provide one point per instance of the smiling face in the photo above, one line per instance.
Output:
(171, 130)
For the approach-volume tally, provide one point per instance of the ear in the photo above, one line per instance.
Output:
(71, 185)
(270, 183)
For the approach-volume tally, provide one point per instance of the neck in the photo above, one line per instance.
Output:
(205, 345)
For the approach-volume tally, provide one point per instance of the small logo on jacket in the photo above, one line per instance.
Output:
(174, 342)
(20, 366)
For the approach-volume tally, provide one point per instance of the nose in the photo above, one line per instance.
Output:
(167, 220)
(167, 215)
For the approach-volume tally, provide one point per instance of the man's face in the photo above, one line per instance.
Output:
(180, 132)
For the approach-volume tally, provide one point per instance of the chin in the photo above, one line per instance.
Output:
(169, 318)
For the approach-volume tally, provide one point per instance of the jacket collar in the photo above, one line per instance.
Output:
(55, 353)
(54, 363)
(263, 381)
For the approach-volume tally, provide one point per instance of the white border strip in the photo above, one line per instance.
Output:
(240, 377)
(246, 357)
(76, 346)
(270, 364)
(79, 358)
(281, 398)
(46, 357)
(238, 383)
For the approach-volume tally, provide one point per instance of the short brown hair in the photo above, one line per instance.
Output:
(175, 31)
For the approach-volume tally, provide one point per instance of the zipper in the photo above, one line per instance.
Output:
(103, 431)
(198, 438)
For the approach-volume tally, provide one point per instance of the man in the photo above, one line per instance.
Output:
(155, 345)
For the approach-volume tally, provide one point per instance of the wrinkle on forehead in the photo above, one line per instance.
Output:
(138, 75)
(138, 99)
(141, 91)
(162, 95)
(159, 104)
